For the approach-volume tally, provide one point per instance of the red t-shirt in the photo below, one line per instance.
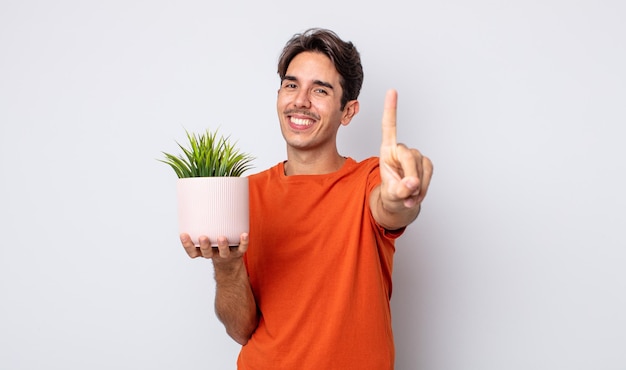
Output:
(320, 269)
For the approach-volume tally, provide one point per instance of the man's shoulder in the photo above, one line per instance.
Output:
(366, 165)
(367, 162)
(264, 174)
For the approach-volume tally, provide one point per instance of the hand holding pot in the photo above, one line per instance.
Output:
(223, 251)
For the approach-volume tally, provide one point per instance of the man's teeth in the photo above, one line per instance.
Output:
(301, 121)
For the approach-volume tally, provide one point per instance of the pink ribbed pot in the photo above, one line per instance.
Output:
(213, 206)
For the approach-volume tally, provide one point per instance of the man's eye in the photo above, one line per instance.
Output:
(320, 91)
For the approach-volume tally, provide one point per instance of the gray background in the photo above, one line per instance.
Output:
(517, 261)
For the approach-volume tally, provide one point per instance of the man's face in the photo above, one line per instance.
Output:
(309, 101)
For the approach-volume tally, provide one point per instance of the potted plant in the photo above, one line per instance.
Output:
(211, 192)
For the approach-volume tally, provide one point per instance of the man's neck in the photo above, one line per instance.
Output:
(298, 164)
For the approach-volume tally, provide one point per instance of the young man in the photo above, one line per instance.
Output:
(309, 287)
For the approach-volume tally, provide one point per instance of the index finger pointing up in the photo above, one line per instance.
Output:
(389, 118)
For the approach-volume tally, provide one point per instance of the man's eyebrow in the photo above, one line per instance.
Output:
(322, 83)
(316, 82)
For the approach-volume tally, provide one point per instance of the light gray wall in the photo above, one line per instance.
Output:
(517, 261)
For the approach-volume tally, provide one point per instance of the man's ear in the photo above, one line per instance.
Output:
(350, 110)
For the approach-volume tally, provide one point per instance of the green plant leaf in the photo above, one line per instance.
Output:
(207, 155)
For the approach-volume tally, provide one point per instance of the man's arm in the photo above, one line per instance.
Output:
(235, 306)
(405, 175)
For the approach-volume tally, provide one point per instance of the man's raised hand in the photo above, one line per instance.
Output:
(404, 171)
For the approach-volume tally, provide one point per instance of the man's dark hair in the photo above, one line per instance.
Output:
(343, 54)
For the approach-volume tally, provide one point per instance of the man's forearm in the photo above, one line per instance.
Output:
(235, 305)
